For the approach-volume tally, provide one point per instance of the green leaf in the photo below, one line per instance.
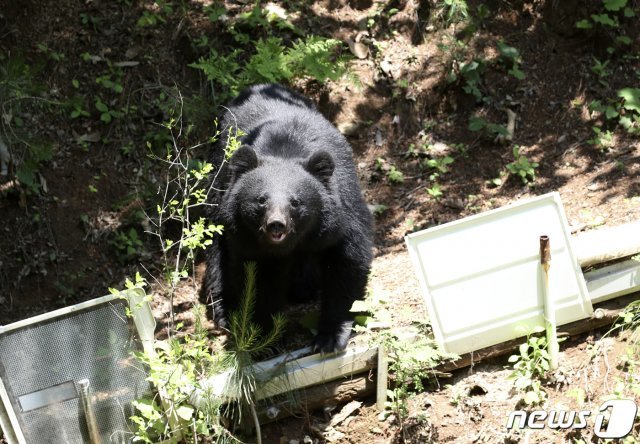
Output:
(516, 72)
(610, 112)
(614, 5)
(507, 51)
(185, 412)
(584, 24)
(531, 398)
(629, 12)
(623, 40)
(625, 122)
(146, 407)
(100, 106)
(604, 19)
(631, 98)
(523, 348)
(477, 123)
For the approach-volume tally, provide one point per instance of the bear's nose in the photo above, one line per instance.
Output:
(276, 226)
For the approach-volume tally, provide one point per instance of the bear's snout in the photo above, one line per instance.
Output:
(276, 226)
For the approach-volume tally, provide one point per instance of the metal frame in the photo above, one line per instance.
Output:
(143, 321)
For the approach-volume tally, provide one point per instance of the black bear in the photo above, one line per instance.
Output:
(289, 200)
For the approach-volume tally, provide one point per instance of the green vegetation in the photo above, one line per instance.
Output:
(272, 61)
(411, 363)
(281, 53)
(522, 166)
(127, 244)
(187, 407)
(491, 130)
(181, 365)
(628, 385)
(392, 173)
(21, 92)
(530, 366)
(412, 353)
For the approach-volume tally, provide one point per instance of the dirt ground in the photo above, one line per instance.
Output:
(95, 180)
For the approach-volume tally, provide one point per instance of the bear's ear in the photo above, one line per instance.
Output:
(243, 160)
(320, 165)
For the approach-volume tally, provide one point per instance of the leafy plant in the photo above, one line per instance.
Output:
(182, 366)
(440, 164)
(435, 191)
(602, 140)
(127, 244)
(394, 175)
(630, 98)
(530, 365)
(601, 70)
(471, 74)
(152, 18)
(627, 384)
(91, 20)
(452, 11)
(176, 368)
(411, 352)
(51, 54)
(313, 56)
(107, 81)
(77, 108)
(411, 362)
(522, 166)
(491, 130)
(608, 22)
(510, 55)
(106, 114)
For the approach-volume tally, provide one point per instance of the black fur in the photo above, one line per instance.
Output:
(289, 200)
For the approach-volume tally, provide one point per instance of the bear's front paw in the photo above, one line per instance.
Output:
(333, 341)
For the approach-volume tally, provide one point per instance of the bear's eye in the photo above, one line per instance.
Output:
(295, 203)
(262, 200)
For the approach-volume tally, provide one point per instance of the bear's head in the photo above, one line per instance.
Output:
(279, 200)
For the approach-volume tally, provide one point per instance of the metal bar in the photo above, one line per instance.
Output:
(549, 306)
(89, 411)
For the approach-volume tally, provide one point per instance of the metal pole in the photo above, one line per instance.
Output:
(89, 412)
(549, 308)
(381, 380)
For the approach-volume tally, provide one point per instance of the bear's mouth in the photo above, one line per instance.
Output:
(277, 237)
(275, 234)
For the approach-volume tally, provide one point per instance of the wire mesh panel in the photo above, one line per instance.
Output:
(41, 364)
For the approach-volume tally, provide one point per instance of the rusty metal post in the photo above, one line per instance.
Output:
(549, 307)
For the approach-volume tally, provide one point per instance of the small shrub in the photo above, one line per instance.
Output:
(530, 365)
(522, 167)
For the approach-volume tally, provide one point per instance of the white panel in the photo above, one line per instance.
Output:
(481, 276)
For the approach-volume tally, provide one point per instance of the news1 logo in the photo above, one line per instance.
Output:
(616, 424)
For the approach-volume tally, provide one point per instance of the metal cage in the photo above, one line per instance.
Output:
(69, 376)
